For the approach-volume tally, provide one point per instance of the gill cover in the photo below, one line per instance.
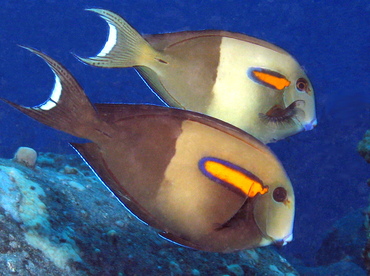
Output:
(273, 211)
(304, 94)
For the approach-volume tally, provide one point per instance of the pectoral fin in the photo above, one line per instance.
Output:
(278, 115)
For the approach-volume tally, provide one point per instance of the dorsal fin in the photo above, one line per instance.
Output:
(162, 41)
(112, 112)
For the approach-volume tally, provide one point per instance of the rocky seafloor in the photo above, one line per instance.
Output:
(57, 218)
(364, 150)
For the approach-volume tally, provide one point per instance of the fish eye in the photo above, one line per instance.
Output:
(302, 85)
(279, 194)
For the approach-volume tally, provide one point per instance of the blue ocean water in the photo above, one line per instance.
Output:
(331, 40)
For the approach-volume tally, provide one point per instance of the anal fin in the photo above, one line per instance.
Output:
(177, 240)
(151, 79)
(92, 155)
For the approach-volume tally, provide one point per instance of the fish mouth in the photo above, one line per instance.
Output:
(310, 125)
(284, 240)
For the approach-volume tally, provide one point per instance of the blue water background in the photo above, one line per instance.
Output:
(330, 39)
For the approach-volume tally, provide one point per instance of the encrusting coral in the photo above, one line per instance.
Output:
(26, 156)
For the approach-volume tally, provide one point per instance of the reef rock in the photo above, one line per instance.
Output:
(59, 219)
(344, 241)
(364, 147)
(364, 150)
(366, 250)
(26, 156)
(341, 249)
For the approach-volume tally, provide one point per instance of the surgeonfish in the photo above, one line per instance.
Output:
(199, 181)
(242, 80)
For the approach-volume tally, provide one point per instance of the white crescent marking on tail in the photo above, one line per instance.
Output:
(111, 41)
(54, 97)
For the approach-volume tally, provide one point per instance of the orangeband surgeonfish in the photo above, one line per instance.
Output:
(242, 80)
(201, 182)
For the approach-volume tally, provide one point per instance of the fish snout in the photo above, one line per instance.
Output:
(310, 125)
(284, 240)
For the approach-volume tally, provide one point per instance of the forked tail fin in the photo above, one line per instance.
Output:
(124, 47)
(68, 108)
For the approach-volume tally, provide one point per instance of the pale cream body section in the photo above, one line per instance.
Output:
(194, 205)
(239, 100)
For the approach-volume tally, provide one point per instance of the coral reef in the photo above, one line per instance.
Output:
(364, 150)
(366, 250)
(26, 156)
(364, 147)
(344, 241)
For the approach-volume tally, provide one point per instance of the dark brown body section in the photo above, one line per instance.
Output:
(194, 59)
